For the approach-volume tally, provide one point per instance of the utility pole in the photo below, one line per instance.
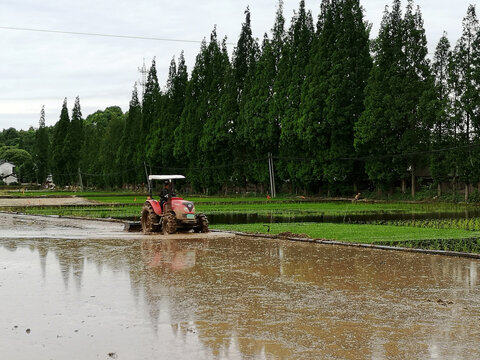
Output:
(80, 179)
(272, 175)
(150, 192)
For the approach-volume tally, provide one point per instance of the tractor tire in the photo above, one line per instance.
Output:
(149, 219)
(202, 224)
(169, 224)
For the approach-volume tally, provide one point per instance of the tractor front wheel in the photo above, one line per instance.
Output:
(169, 224)
(149, 219)
(202, 224)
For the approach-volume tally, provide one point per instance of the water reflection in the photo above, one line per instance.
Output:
(247, 298)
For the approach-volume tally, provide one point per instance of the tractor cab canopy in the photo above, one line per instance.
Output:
(165, 177)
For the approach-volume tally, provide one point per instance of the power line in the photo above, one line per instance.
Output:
(103, 35)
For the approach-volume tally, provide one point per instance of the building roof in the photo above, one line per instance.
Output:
(6, 162)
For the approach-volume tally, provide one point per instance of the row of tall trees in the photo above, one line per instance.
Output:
(334, 109)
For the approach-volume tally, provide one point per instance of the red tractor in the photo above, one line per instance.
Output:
(171, 213)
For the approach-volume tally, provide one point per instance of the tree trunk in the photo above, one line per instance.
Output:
(467, 191)
(413, 182)
(355, 187)
(439, 189)
(404, 186)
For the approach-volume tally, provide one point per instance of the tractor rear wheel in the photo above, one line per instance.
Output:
(202, 224)
(149, 219)
(169, 224)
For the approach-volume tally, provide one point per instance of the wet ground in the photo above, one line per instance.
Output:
(40, 201)
(128, 296)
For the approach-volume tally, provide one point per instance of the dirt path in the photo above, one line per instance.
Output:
(39, 201)
(20, 226)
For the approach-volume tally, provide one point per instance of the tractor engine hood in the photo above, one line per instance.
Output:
(180, 206)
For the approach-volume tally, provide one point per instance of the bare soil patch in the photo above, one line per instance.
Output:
(39, 201)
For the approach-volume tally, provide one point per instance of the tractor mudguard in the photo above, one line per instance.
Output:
(156, 206)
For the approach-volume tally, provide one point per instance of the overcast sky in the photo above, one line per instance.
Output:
(43, 68)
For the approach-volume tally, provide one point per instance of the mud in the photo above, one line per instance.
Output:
(38, 201)
(128, 296)
(20, 226)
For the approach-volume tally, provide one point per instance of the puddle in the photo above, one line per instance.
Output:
(232, 298)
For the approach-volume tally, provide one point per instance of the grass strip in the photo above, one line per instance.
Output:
(354, 233)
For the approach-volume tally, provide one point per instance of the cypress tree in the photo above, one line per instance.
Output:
(151, 108)
(333, 93)
(74, 141)
(258, 132)
(59, 157)
(418, 85)
(291, 75)
(466, 103)
(259, 129)
(442, 127)
(42, 149)
(161, 142)
(201, 139)
(190, 127)
(347, 78)
(217, 142)
(245, 56)
(399, 83)
(131, 164)
(111, 135)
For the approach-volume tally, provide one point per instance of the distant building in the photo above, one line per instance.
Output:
(49, 184)
(7, 172)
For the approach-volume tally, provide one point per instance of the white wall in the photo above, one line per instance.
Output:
(8, 169)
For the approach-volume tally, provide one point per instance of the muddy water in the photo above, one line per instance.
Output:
(232, 298)
(248, 218)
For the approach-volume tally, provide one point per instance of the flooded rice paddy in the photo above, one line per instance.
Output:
(354, 218)
(128, 296)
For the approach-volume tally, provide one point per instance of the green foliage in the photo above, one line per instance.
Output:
(22, 160)
(103, 135)
(9, 137)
